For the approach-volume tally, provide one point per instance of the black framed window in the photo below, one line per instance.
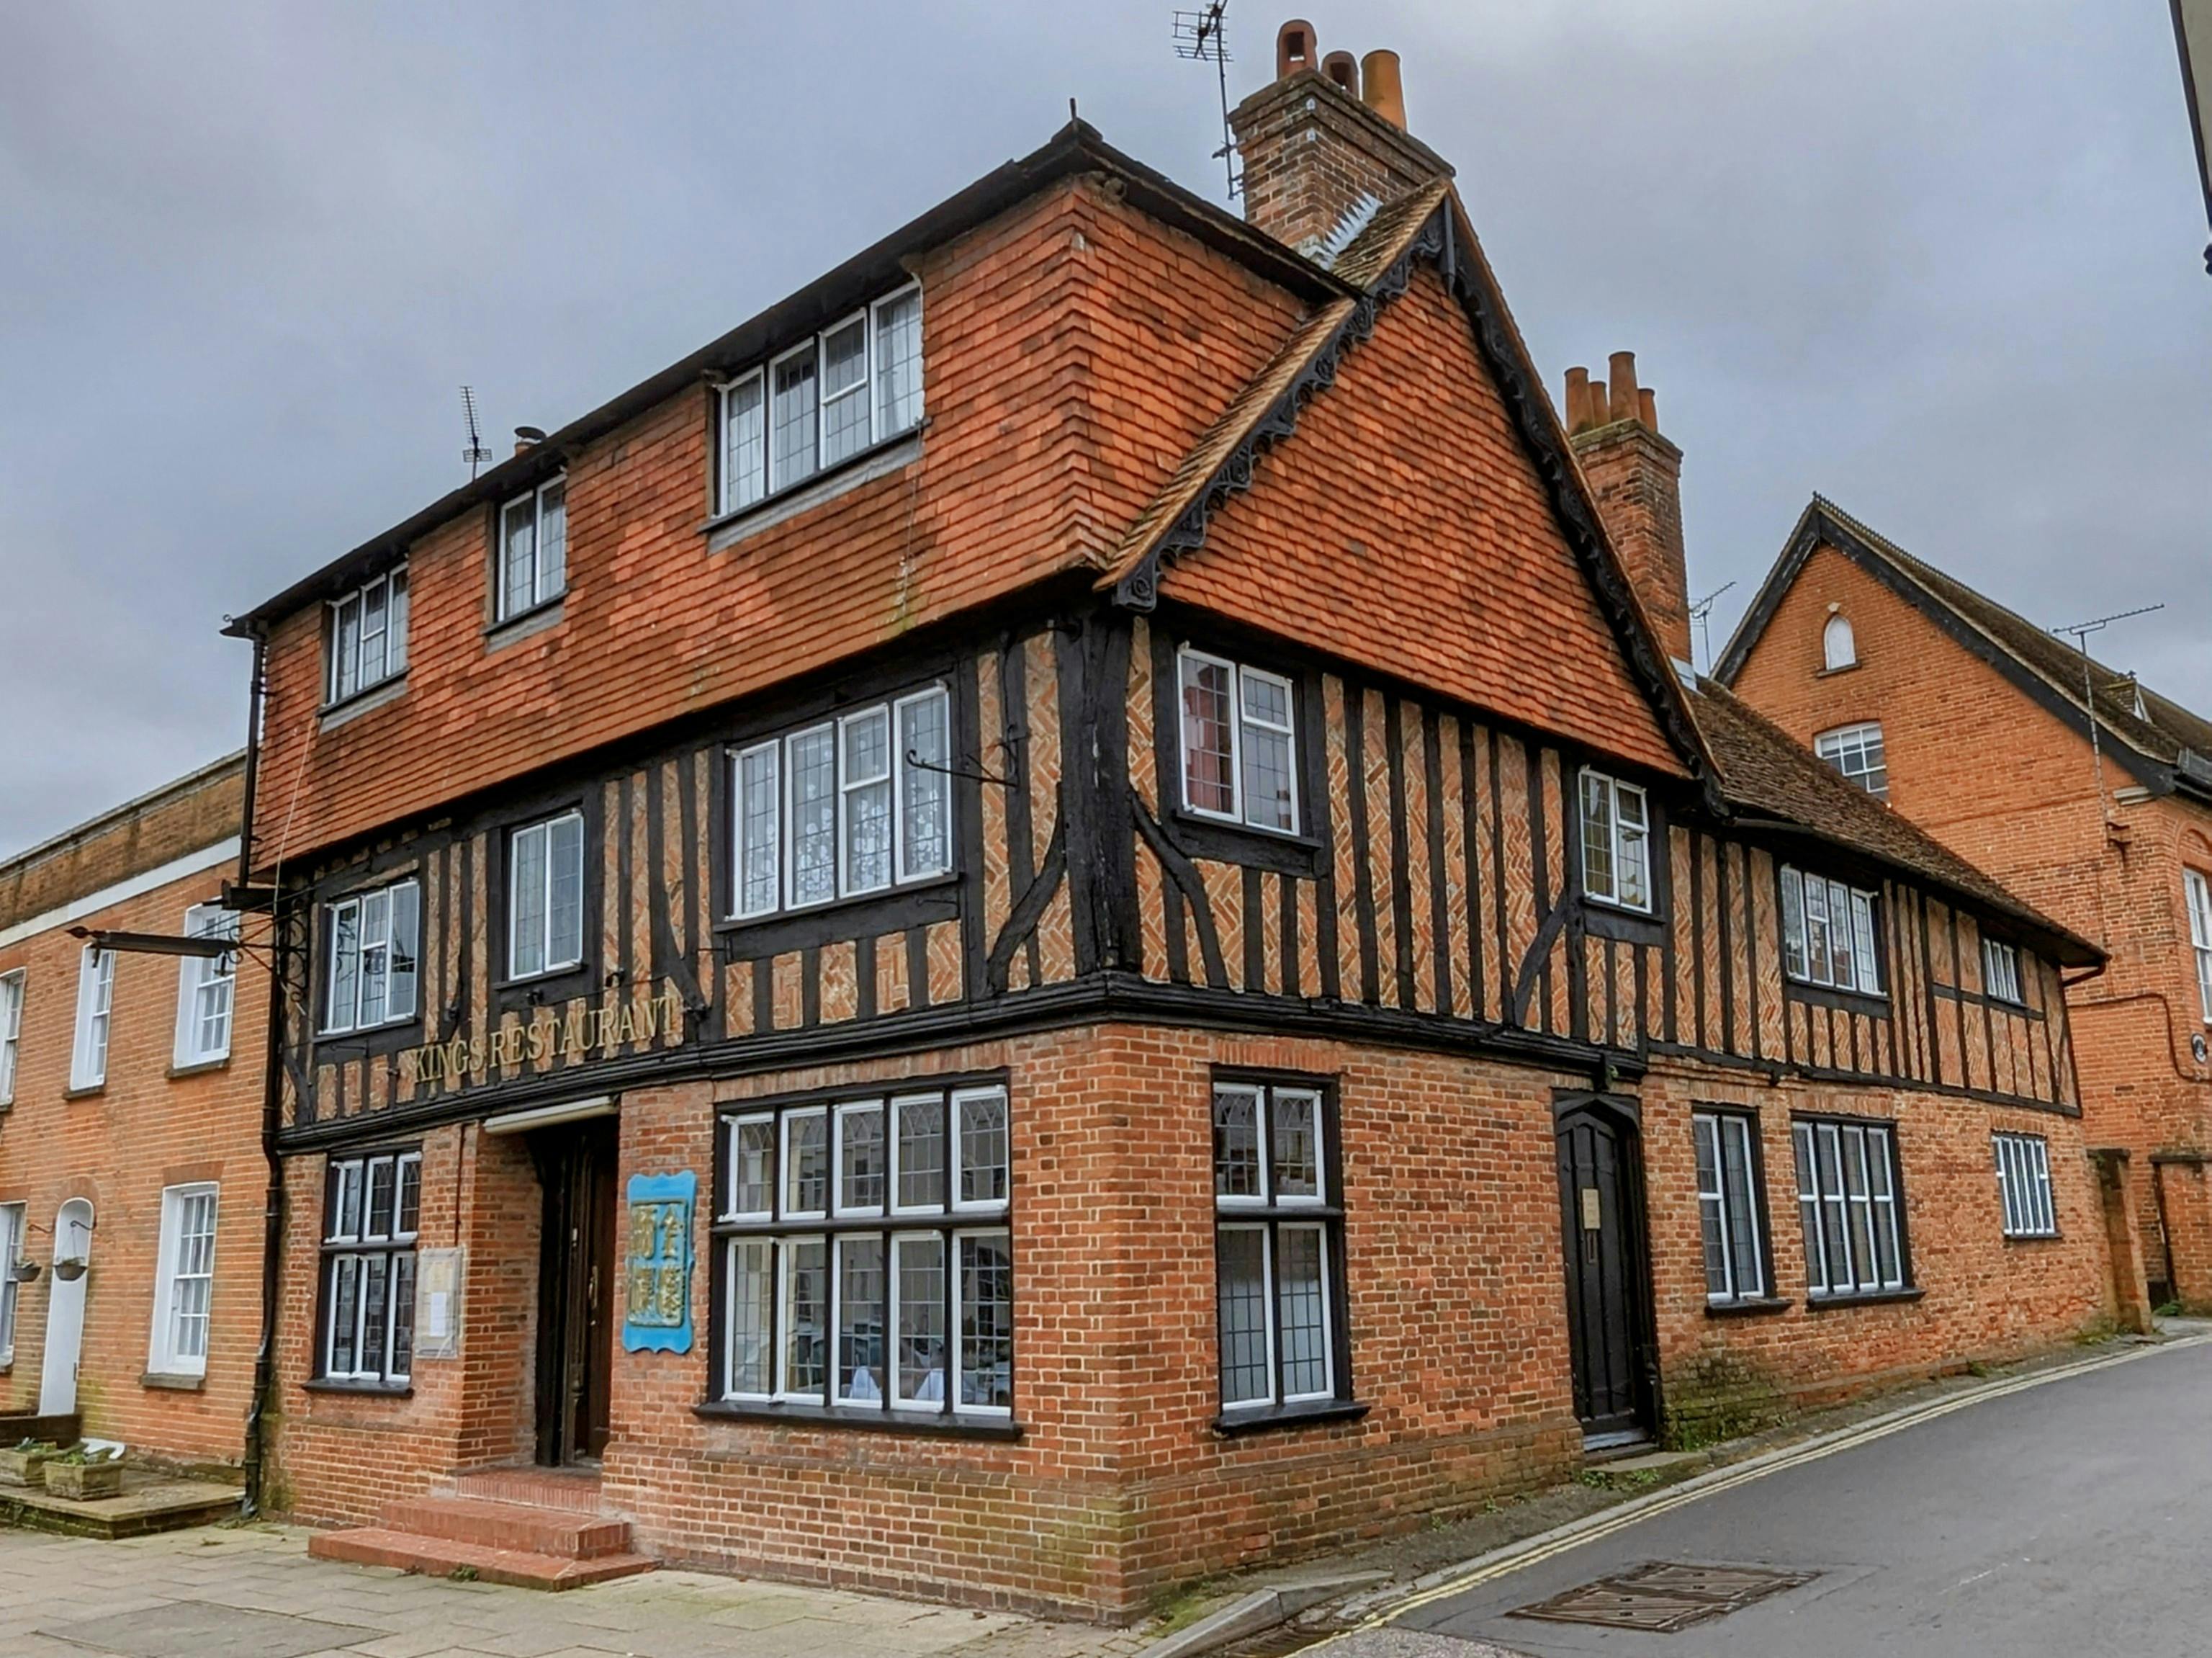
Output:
(1851, 1204)
(371, 1206)
(2023, 1185)
(864, 1254)
(370, 944)
(1731, 1204)
(1616, 842)
(1277, 1245)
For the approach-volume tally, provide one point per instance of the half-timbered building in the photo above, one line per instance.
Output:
(1054, 919)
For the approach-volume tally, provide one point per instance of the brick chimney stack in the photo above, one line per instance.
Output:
(1325, 144)
(1636, 476)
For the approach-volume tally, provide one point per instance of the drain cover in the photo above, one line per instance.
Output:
(1664, 1596)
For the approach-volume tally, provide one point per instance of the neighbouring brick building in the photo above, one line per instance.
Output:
(131, 1172)
(1976, 724)
(1053, 920)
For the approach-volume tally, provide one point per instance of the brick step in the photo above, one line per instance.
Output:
(563, 1531)
(541, 1488)
(441, 1556)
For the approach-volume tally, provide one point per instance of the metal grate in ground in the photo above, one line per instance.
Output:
(1662, 1596)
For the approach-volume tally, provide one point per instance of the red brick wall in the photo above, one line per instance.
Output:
(1119, 1487)
(119, 1147)
(2011, 786)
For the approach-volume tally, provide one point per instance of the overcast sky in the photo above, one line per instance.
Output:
(1940, 261)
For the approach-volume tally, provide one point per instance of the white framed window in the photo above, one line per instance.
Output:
(184, 1284)
(864, 1254)
(2001, 971)
(1616, 842)
(206, 985)
(12, 1243)
(1731, 1206)
(371, 1210)
(1239, 742)
(96, 1008)
(2196, 890)
(11, 1029)
(2023, 1162)
(1277, 1232)
(855, 805)
(1840, 645)
(545, 897)
(367, 639)
(1828, 934)
(830, 397)
(533, 549)
(370, 961)
(1848, 1205)
(1856, 752)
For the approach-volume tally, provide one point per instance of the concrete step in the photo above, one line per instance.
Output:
(444, 1557)
(563, 1531)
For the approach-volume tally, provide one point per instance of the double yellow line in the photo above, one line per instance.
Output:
(1520, 1557)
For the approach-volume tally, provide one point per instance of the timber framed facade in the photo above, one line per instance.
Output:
(1252, 1129)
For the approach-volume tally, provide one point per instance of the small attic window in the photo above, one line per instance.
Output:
(1839, 646)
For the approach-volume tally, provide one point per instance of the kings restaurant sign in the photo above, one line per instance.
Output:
(552, 1036)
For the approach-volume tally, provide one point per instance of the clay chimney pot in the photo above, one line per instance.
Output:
(1381, 88)
(1621, 372)
(1295, 49)
(1342, 68)
(1647, 406)
(1578, 398)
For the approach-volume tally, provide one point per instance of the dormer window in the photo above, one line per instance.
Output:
(856, 384)
(1839, 646)
(533, 549)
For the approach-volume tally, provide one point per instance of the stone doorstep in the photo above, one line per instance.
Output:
(563, 1531)
(149, 1502)
(441, 1556)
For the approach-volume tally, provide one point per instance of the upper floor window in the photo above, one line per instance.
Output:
(95, 1003)
(1828, 934)
(849, 388)
(11, 1035)
(2001, 971)
(545, 897)
(369, 958)
(367, 637)
(533, 549)
(205, 984)
(854, 805)
(2023, 1185)
(1839, 646)
(1239, 743)
(1856, 752)
(2198, 890)
(1616, 842)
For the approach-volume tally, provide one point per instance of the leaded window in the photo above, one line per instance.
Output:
(1239, 742)
(545, 896)
(1828, 933)
(1731, 1207)
(865, 1257)
(855, 805)
(1849, 1204)
(533, 549)
(367, 638)
(371, 1210)
(370, 963)
(1616, 842)
(1278, 1244)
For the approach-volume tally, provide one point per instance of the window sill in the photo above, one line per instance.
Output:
(1866, 1298)
(360, 1389)
(878, 460)
(1875, 1006)
(199, 1067)
(412, 1022)
(524, 623)
(168, 1383)
(878, 1422)
(1749, 1307)
(1232, 1424)
(1604, 919)
(1235, 842)
(85, 1091)
(2031, 1238)
(577, 970)
(1831, 673)
(331, 716)
(935, 898)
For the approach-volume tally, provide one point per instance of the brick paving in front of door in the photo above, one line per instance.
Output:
(252, 1592)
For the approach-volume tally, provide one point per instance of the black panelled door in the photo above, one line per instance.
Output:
(575, 1286)
(1601, 1217)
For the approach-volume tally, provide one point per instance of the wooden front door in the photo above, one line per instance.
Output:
(576, 1291)
(1608, 1290)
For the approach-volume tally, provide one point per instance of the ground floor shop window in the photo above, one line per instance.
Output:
(371, 1207)
(864, 1261)
(1278, 1246)
(1849, 1203)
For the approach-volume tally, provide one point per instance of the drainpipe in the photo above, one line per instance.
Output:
(272, 1107)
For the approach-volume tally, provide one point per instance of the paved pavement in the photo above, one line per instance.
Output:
(2067, 1519)
(251, 1592)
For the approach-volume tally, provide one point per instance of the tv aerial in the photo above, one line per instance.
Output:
(476, 454)
(1203, 37)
